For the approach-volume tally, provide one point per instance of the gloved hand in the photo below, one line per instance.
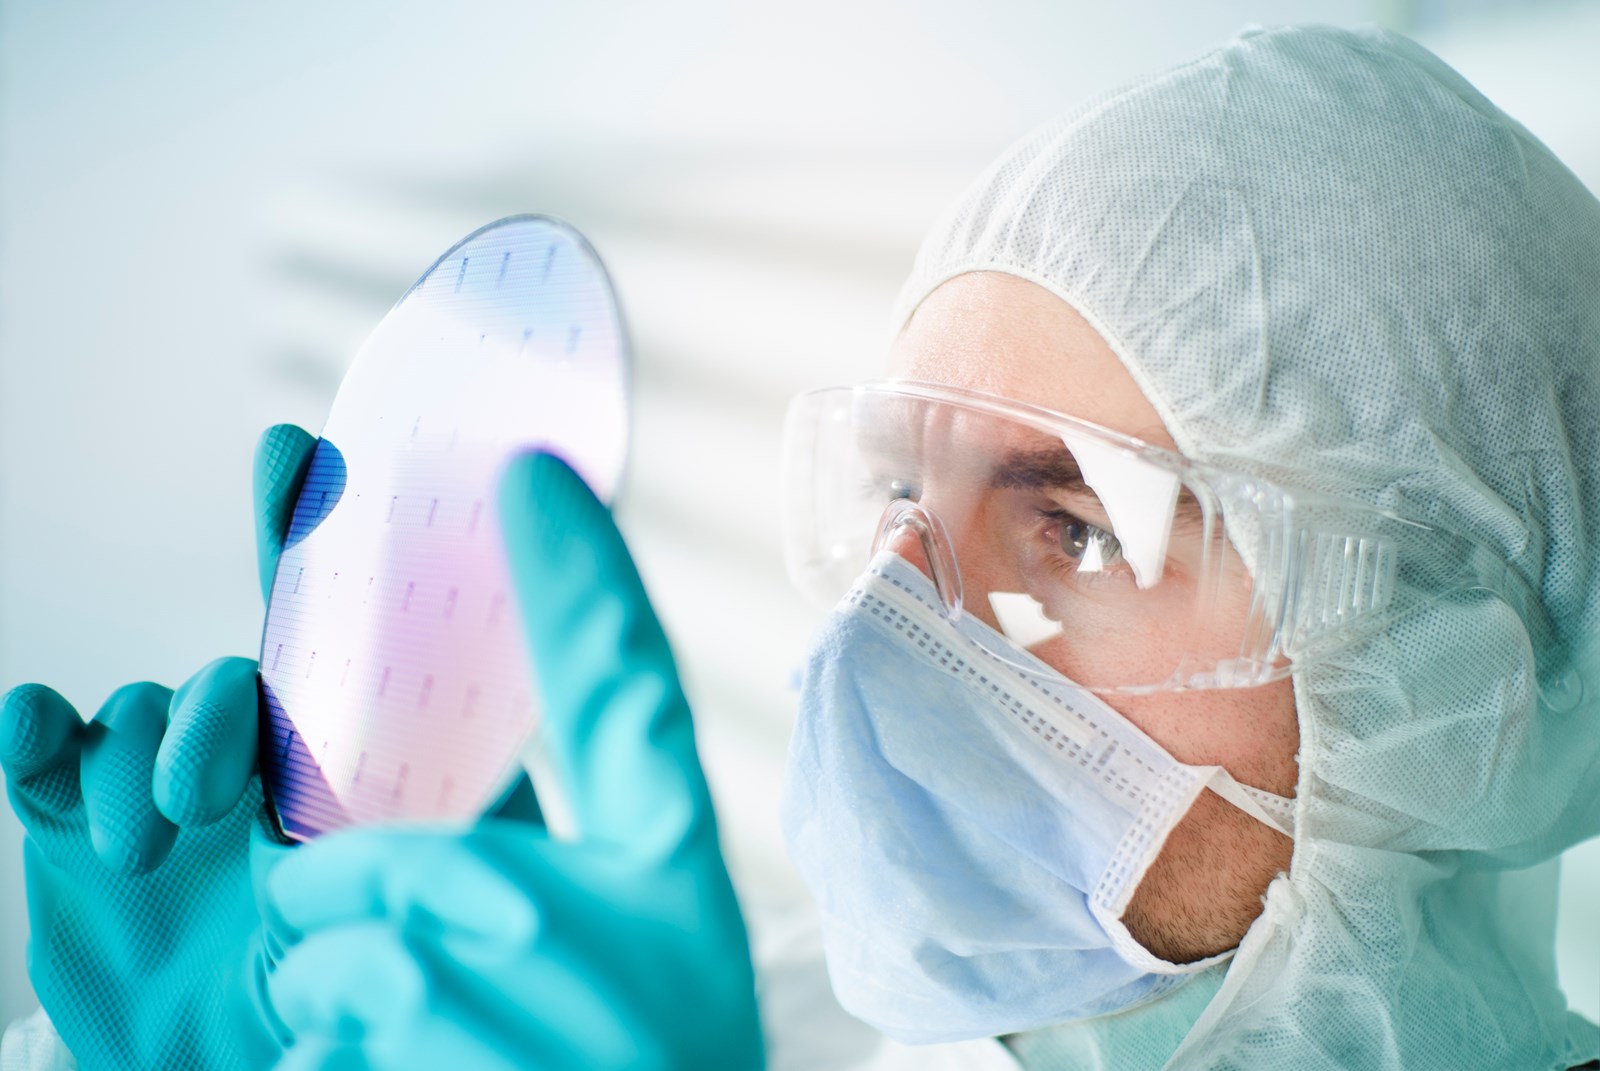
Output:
(142, 830)
(503, 946)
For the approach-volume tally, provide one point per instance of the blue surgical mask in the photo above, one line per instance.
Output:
(972, 830)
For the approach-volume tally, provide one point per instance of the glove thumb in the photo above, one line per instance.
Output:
(283, 454)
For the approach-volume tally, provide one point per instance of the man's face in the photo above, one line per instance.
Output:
(1003, 335)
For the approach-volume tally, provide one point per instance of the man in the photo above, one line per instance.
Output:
(1245, 492)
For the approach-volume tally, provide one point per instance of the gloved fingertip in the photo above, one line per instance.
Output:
(282, 457)
(562, 547)
(175, 804)
(208, 751)
(133, 850)
(179, 803)
(282, 454)
(542, 492)
(116, 772)
(38, 729)
(615, 720)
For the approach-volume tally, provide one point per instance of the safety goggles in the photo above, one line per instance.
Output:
(1123, 566)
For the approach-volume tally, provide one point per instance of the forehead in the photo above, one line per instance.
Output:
(1007, 336)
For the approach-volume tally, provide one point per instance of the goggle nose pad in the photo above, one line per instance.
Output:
(938, 552)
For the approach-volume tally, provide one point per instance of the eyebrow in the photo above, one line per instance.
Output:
(1034, 470)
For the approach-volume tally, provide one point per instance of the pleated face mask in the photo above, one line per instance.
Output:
(973, 824)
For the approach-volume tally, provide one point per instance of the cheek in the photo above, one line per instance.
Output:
(1251, 732)
(1098, 646)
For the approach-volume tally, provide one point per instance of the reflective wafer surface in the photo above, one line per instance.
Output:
(394, 673)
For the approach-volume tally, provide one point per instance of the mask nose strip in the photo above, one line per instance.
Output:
(906, 527)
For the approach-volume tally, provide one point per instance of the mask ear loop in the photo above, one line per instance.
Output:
(1271, 810)
(937, 551)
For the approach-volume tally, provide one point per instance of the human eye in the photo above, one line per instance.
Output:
(1079, 546)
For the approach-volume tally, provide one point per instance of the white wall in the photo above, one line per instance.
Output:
(204, 209)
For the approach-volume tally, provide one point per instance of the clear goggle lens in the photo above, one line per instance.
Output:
(1119, 565)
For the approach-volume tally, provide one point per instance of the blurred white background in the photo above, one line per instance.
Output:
(204, 208)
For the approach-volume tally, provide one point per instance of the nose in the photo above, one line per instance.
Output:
(906, 542)
(916, 534)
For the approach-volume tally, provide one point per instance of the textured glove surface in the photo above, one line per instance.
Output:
(146, 848)
(505, 947)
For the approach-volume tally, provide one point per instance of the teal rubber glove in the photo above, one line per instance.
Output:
(143, 827)
(503, 946)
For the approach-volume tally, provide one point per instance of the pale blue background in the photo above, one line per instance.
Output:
(204, 208)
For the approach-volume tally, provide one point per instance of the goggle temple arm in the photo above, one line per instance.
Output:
(938, 552)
